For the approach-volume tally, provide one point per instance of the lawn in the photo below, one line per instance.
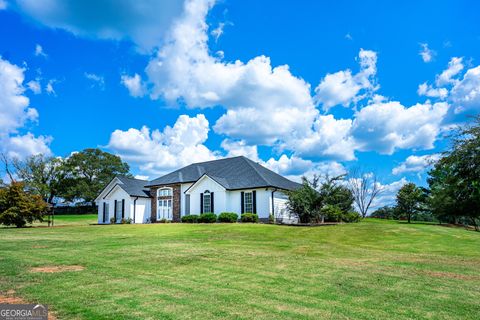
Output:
(369, 270)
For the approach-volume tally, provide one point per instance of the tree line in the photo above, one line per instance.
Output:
(452, 195)
(453, 192)
(38, 181)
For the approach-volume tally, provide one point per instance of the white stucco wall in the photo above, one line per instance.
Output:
(201, 186)
(142, 212)
(281, 212)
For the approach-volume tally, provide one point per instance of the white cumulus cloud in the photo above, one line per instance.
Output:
(416, 163)
(15, 113)
(345, 88)
(387, 126)
(134, 84)
(426, 53)
(158, 152)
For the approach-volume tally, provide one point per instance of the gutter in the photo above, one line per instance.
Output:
(134, 208)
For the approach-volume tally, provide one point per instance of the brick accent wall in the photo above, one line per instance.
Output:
(176, 201)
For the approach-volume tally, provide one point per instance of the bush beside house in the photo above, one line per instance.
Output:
(229, 217)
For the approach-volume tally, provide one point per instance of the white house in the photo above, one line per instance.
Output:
(235, 184)
(125, 198)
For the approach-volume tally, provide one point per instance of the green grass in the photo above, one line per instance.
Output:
(370, 270)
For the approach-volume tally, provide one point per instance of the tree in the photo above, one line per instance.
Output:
(88, 172)
(316, 200)
(385, 212)
(18, 207)
(454, 181)
(41, 175)
(409, 200)
(364, 188)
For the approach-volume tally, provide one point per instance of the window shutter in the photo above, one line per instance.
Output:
(123, 208)
(254, 201)
(115, 211)
(211, 203)
(201, 202)
(104, 211)
(242, 201)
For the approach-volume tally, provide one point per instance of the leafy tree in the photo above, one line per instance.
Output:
(88, 173)
(455, 179)
(316, 200)
(385, 212)
(409, 200)
(364, 188)
(41, 175)
(18, 207)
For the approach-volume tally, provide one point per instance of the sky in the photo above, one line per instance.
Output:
(302, 87)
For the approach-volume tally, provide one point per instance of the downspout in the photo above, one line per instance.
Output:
(273, 205)
(134, 208)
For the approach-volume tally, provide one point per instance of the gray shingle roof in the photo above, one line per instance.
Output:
(232, 173)
(134, 187)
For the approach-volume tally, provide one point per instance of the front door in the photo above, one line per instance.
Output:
(164, 210)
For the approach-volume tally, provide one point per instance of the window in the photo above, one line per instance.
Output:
(207, 202)
(248, 204)
(187, 204)
(165, 192)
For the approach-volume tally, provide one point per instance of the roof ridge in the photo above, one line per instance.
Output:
(255, 169)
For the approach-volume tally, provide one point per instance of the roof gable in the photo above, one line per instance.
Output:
(232, 173)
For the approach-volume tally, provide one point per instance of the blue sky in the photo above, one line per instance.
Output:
(303, 87)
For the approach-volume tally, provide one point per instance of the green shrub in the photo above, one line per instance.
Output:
(250, 217)
(332, 213)
(162, 220)
(351, 216)
(112, 220)
(271, 218)
(228, 217)
(192, 218)
(207, 218)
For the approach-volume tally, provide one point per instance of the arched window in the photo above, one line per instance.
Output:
(207, 201)
(164, 192)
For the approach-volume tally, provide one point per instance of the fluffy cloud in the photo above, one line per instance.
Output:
(253, 92)
(294, 167)
(466, 92)
(34, 86)
(144, 22)
(329, 138)
(344, 88)
(428, 90)
(15, 113)
(240, 148)
(455, 66)
(426, 53)
(387, 126)
(158, 152)
(134, 84)
(49, 87)
(21, 146)
(416, 163)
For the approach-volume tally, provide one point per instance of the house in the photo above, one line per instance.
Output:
(235, 184)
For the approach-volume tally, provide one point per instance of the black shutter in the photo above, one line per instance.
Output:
(104, 205)
(201, 202)
(115, 211)
(211, 202)
(242, 201)
(123, 208)
(254, 201)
